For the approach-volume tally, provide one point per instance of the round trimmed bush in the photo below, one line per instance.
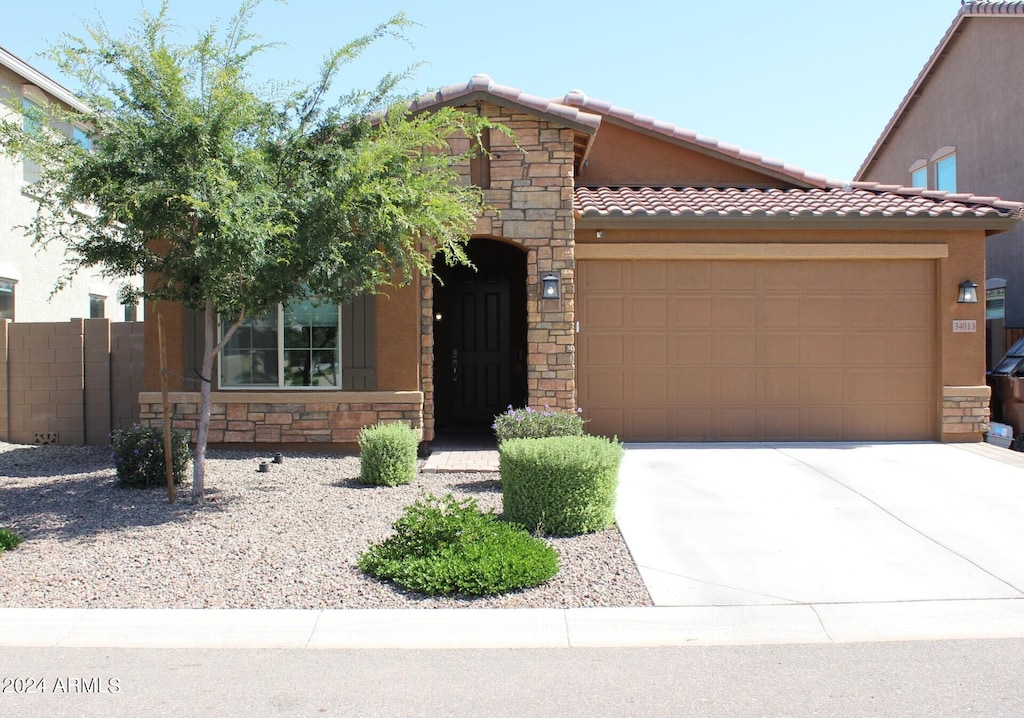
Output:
(445, 546)
(561, 485)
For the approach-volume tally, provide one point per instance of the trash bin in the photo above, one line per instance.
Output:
(1007, 383)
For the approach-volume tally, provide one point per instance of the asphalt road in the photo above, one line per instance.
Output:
(978, 678)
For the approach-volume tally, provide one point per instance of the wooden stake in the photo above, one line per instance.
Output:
(168, 458)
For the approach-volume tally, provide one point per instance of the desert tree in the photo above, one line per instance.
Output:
(230, 196)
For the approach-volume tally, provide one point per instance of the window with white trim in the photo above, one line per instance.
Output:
(945, 173)
(33, 119)
(97, 306)
(296, 347)
(919, 174)
(6, 299)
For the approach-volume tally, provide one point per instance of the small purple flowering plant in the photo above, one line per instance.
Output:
(528, 423)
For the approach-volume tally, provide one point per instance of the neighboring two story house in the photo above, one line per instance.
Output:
(672, 286)
(29, 273)
(959, 129)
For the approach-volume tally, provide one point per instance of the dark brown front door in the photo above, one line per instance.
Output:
(480, 357)
(480, 336)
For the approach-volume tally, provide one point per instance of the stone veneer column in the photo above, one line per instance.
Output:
(530, 195)
(965, 412)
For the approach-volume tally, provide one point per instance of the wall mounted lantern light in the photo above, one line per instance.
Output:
(968, 292)
(549, 287)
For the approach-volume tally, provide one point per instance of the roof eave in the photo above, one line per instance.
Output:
(33, 76)
(991, 225)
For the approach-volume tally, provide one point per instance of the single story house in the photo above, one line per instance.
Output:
(672, 286)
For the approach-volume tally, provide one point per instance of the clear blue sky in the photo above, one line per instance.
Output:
(810, 82)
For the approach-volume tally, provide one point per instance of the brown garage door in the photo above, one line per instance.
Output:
(769, 350)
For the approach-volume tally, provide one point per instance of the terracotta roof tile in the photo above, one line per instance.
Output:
(862, 199)
(481, 83)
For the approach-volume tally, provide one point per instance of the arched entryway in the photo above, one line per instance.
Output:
(479, 336)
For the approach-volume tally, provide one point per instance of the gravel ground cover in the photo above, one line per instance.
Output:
(289, 538)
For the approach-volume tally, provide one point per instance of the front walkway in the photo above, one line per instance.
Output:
(462, 452)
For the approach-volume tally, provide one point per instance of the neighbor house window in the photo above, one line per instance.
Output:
(131, 312)
(6, 299)
(97, 306)
(945, 174)
(296, 346)
(81, 138)
(33, 119)
(919, 174)
(995, 298)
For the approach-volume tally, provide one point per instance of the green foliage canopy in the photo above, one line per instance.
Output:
(242, 195)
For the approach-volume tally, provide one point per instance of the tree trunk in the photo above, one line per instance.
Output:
(206, 385)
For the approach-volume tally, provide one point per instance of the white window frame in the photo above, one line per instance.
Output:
(919, 166)
(9, 286)
(943, 155)
(281, 384)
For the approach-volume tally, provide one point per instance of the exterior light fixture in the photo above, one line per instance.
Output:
(968, 292)
(549, 287)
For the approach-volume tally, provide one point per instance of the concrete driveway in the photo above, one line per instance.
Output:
(776, 524)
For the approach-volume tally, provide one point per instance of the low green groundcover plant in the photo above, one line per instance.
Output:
(561, 485)
(446, 546)
(531, 424)
(139, 456)
(9, 540)
(387, 454)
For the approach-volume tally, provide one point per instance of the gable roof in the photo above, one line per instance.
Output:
(969, 9)
(815, 197)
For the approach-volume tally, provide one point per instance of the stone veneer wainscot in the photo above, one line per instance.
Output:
(249, 417)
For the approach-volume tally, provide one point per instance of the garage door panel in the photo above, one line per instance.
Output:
(602, 387)
(647, 350)
(690, 277)
(818, 350)
(825, 312)
(823, 423)
(734, 349)
(693, 312)
(648, 311)
(693, 349)
(734, 312)
(782, 313)
(603, 421)
(647, 388)
(778, 349)
(867, 312)
(691, 386)
(604, 349)
(604, 312)
(651, 275)
(771, 350)
(781, 387)
(736, 388)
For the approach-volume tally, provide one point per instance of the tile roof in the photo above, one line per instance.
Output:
(481, 84)
(861, 199)
(969, 9)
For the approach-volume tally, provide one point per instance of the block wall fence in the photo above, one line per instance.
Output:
(68, 382)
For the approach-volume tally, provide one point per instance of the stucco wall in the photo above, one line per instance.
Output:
(973, 101)
(36, 269)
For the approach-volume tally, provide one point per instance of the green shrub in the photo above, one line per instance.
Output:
(387, 454)
(139, 456)
(530, 424)
(444, 546)
(560, 485)
(9, 540)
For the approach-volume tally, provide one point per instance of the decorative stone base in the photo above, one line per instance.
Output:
(965, 412)
(286, 417)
